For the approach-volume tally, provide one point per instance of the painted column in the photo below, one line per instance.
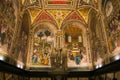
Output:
(89, 55)
(59, 40)
(102, 17)
(30, 49)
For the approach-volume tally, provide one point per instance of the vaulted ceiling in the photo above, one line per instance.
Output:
(58, 4)
(59, 9)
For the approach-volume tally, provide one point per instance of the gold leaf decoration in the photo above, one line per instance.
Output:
(34, 12)
(84, 13)
(59, 15)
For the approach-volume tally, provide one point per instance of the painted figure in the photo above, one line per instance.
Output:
(3, 35)
(35, 58)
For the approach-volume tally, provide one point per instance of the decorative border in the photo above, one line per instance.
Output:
(58, 4)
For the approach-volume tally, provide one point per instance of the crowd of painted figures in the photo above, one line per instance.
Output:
(42, 47)
(76, 54)
(41, 57)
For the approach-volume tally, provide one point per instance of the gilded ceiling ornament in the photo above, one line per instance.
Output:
(59, 4)
(59, 15)
(34, 12)
(84, 13)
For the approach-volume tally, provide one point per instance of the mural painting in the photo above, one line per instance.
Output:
(43, 43)
(7, 25)
(76, 52)
(6, 33)
(114, 34)
(97, 41)
(113, 29)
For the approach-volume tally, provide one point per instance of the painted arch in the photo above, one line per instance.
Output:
(75, 41)
(43, 41)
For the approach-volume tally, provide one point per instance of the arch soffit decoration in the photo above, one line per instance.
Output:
(45, 16)
(80, 25)
(77, 23)
(46, 24)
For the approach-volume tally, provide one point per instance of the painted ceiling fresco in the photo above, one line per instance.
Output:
(74, 16)
(68, 4)
(35, 3)
(59, 2)
(44, 16)
(61, 12)
(58, 9)
(34, 12)
(84, 12)
(59, 15)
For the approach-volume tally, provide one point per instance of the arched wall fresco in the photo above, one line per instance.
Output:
(75, 41)
(43, 42)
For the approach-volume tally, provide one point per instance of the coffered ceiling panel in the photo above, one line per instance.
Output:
(34, 3)
(59, 4)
